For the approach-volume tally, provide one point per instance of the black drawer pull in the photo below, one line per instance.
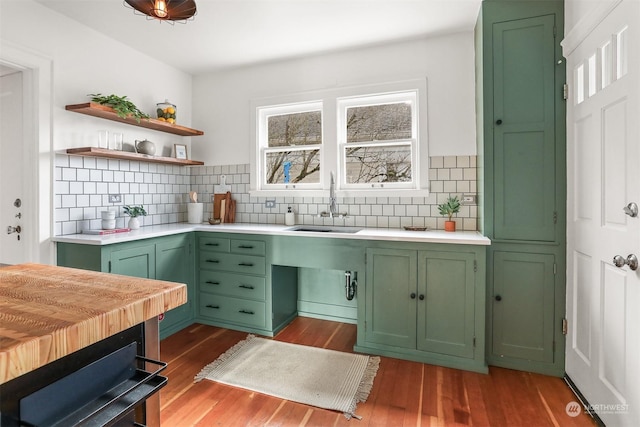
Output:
(212, 306)
(212, 244)
(246, 264)
(214, 261)
(246, 287)
(212, 283)
(245, 247)
(246, 312)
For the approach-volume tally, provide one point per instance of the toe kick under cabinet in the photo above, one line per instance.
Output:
(234, 278)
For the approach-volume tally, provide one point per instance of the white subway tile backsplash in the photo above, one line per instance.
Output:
(82, 186)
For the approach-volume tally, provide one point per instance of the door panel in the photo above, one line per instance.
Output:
(391, 312)
(174, 264)
(524, 131)
(604, 145)
(446, 314)
(136, 262)
(523, 306)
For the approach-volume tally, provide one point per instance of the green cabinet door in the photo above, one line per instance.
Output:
(446, 300)
(524, 174)
(391, 297)
(175, 263)
(523, 306)
(135, 261)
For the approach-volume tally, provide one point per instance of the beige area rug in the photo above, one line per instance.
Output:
(314, 376)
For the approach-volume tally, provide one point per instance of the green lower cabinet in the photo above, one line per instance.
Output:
(167, 258)
(446, 317)
(522, 310)
(425, 305)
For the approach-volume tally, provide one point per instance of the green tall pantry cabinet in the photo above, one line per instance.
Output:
(169, 258)
(522, 183)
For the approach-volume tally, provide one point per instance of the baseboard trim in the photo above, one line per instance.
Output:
(583, 401)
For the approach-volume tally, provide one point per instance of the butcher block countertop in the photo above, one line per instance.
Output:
(48, 312)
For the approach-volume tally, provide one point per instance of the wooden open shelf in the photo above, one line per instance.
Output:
(127, 155)
(104, 112)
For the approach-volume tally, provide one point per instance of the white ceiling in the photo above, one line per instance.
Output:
(232, 33)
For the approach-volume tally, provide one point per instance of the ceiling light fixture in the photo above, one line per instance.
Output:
(164, 10)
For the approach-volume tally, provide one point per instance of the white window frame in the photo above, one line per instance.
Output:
(330, 156)
(263, 142)
(410, 97)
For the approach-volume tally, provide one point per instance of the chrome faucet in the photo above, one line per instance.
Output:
(333, 204)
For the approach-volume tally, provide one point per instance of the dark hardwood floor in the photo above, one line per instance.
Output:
(404, 393)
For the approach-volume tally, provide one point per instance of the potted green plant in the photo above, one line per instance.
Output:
(134, 212)
(120, 104)
(448, 208)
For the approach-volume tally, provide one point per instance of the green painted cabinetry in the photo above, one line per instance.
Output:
(425, 303)
(164, 258)
(234, 284)
(521, 150)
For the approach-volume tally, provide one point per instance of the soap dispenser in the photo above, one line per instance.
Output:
(289, 217)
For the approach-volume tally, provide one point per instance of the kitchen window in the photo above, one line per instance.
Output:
(372, 138)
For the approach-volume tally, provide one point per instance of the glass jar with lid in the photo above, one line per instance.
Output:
(166, 111)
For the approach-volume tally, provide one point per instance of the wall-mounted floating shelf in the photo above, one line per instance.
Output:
(104, 112)
(127, 155)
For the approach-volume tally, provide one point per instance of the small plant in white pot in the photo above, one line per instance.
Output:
(448, 208)
(134, 212)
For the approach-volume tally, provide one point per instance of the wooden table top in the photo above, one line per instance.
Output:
(48, 312)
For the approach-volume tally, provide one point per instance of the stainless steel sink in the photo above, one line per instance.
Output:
(324, 229)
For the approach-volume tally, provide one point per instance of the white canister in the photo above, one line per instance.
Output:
(194, 213)
(108, 224)
(108, 215)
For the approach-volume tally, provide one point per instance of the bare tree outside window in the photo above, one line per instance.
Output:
(297, 164)
(379, 143)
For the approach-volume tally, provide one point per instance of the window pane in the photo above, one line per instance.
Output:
(378, 164)
(301, 166)
(379, 122)
(295, 129)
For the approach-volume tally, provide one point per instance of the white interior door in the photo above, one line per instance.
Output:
(603, 300)
(12, 243)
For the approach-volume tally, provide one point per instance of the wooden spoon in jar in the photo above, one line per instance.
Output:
(193, 196)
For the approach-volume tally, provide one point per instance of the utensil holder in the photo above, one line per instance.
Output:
(194, 213)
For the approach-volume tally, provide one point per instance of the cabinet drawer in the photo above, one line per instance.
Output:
(235, 285)
(232, 262)
(217, 244)
(233, 310)
(249, 247)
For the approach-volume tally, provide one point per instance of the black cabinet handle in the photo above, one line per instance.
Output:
(421, 297)
(212, 306)
(413, 295)
(214, 261)
(498, 298)
(212, 283)
(212, 244)
(246, 312)
(246, 287)
(499, 122)
(245, 247)
(246, 264)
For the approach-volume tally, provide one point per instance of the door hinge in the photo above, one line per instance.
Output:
(565, 91)
(555, 268)
(475, 266)
(555, 217)
(109, 266)
(565, 326)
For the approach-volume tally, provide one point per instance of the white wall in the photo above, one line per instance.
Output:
(221, 101)
(85, 61)
(575, 10)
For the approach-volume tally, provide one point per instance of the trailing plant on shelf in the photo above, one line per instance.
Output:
(120, 104)
(448, 208)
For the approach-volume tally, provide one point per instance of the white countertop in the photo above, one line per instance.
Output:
(388, 234)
